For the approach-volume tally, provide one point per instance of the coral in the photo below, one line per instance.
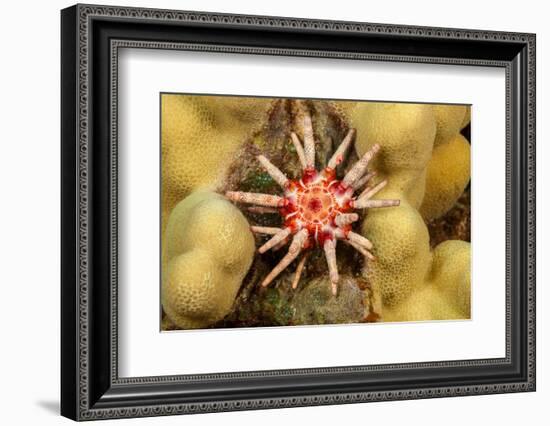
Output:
(467, 117)
(317, 207)
(409, 276)
(207, 250)
(200, 136)
(448, 174)
(448, 171)
(402, 250)
(406, 133)
(450, 274)
(449, 120)
(445, 294)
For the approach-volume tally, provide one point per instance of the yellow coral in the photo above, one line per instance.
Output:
(449, 119)
(446, 293)
(207, 251)
(200, 135)
(448, 175)
(450, 274)
(406, 132)
(415, 284)
(467, 117)
(427, 304)
(402, 251)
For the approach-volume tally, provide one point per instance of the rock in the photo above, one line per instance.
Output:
(314, 303)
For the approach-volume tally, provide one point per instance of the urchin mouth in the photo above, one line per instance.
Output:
(315, 205)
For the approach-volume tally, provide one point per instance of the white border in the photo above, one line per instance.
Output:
(144, 351)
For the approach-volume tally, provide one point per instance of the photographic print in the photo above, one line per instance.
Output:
(282, 212)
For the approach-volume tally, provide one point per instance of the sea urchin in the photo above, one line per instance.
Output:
(317, 208)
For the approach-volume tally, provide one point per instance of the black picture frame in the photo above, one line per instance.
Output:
(90, 386)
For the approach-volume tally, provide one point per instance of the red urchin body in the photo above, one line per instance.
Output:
(313, 203)
(317, 209)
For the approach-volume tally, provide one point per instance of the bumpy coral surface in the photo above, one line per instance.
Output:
(402, 245)
(200, 135)
(449, 120)
(317, 208)
(447, 177)
(446, 292)
(402, 251)
(207, 251)
(406, 133)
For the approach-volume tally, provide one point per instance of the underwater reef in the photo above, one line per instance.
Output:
(419, 263)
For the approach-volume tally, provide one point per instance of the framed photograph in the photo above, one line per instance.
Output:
(263, 212)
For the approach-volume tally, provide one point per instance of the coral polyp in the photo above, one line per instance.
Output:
(318, 210)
